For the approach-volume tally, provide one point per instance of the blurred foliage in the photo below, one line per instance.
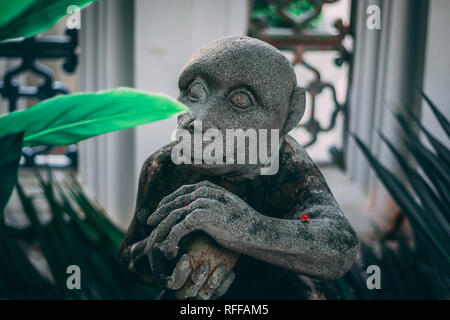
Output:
(11, 151)
(78, 233)
(24, 18)
(266, 10)
(421, 272)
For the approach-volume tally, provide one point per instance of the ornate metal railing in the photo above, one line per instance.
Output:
(29, 50)
(298, 39)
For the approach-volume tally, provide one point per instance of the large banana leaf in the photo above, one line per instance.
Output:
(24, 18)
(70, 118)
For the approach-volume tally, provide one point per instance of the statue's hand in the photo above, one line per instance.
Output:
(203, 206)
(203, 273)
(212, 264)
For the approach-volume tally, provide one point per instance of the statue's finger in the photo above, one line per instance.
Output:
(162, 230)
(179, 192)
(158, 265)
(170, 246)
(209, 184)
(188, 200)
(165, 226)
(224, 286)
(188, 188)
(137, 250)
(162, 212)
(180, 273)
(189, 224)
(149, 247)
(213, 282)
(194, 283)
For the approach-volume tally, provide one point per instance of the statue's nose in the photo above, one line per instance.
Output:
(184, 120)
(198, 124)
(189, 121)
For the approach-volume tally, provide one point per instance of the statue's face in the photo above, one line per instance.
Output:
(236, 83)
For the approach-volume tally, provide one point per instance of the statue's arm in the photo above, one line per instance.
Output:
(133, 256)
(132, 250)
(325, 247)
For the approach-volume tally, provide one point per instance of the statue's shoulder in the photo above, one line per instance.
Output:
(295, 163)
(293, 154)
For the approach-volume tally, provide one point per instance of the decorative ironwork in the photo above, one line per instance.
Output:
(29, 50)
(298, 40)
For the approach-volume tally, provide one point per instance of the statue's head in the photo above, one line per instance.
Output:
(239, 83)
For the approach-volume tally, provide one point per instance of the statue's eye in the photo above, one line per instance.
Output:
(241, 99)
(196, 91)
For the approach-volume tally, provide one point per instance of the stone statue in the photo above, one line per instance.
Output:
(209, 230)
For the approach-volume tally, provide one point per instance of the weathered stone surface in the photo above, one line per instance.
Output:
(231, 83)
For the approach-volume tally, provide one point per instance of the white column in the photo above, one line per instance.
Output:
(437, 66)
(107, 162)
(387, 75)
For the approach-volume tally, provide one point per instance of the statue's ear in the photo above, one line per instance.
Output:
(296, 109)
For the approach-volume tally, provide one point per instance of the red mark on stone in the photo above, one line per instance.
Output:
(184, 203)
(304, 218)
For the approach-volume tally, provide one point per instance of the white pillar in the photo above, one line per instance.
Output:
(107, 162)
(437, 66)
(387, 76)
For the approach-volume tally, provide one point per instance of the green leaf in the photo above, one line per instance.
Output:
(435, 169)
(95, 216)
(11, 151)
(24, 18)
(44, 236)
(71, 118)
(12, 9)
(20, 276)
(439, 116)
(344, 289)
(430, 201)
(404, 200)
(442, 151)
